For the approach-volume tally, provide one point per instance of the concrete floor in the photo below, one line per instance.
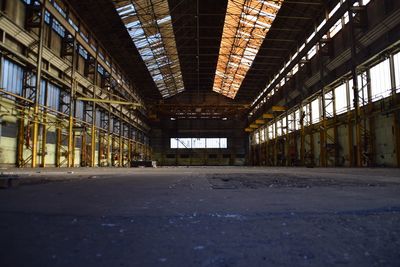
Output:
(212, 216)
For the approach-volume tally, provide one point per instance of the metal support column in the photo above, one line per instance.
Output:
(275, 149)
(24, 144)
(287, 139)
(43, 150)
(396, 114)
(121, 140)
(69, 51)
(31, 90)
(130, 144)
(302, 136)
(90, 113)
(93, 125)
(334, 141)
(108, 85)
(323, 133)
(356, 19)
(35, 135)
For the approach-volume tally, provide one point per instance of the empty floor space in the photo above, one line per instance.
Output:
(216, 216)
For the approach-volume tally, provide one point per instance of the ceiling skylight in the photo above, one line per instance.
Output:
(246, 24)
(152, 33)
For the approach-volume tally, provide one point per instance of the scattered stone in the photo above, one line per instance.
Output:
(232, 216)
(108, 224)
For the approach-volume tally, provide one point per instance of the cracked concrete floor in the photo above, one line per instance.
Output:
(214, 216)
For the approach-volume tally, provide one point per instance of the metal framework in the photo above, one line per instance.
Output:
(246, 24)
(29, 128)
(199, 111)
(150, 27)
(336, 137)
(89, 79)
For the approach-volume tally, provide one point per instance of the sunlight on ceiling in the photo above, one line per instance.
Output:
(247, 22)
(149, 25)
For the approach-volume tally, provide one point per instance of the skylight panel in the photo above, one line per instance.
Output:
(152, 33)
(164, 20)
(246, 24)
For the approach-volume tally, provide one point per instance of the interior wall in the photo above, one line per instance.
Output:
(17, 61)
(234, 154)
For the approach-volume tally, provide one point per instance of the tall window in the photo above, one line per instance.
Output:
(12, 77)
(341, 99)
(291, 122)
(315, 111)
(271, 131)
(380, 80)
(298, 114)
(256, 137)
(279, 127)
(396, 58)
(53, 95)
(262, 135)
(362, 90)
